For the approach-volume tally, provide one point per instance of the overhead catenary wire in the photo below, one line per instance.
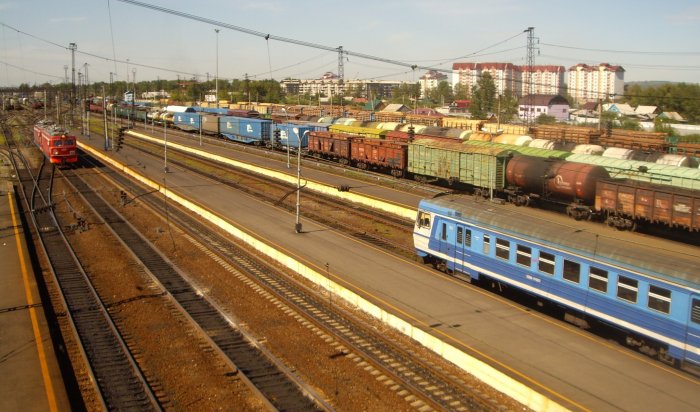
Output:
(268, 36)
(278, 38)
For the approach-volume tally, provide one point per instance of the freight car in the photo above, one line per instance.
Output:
(624, 203)
(291, 136)
(246, 130)
(57, 144)
(651, 294)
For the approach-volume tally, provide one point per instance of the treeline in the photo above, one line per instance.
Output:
(683, 98)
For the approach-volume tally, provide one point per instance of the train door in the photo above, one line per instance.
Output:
(446, 238)
(692, 340)
(462, 247)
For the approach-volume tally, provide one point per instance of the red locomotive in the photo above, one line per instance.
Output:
(56, 143)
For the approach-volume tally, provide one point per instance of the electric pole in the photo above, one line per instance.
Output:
(73, 47)
(530, 67)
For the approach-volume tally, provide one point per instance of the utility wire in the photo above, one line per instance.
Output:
(278, 38)
(30, 71)
(655, 53)
(111, 33)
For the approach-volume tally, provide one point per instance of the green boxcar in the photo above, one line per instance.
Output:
(454, 162)
(528, 151)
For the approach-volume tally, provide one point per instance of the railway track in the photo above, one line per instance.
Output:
(280, 389)
(120, 383)
(275, 192)
(431, 388)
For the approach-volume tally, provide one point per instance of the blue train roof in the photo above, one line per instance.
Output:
(667, 264)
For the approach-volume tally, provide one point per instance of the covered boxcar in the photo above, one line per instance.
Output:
(210, 124)
(292, 135)
(246, 130)
(483, 167)
(189, 122)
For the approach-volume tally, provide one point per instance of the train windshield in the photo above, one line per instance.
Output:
(58, 143)
(69, 142)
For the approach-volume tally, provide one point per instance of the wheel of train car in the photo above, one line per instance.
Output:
(343, 161)
(522, 200)
(362, 166)
(397, 173)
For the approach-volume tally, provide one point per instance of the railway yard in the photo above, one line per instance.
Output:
(224, 291)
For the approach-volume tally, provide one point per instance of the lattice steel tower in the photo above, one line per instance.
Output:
(530, 62)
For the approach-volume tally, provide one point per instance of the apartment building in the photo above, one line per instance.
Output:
(589, 83)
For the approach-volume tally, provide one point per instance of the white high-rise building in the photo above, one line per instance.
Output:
(503, 74)
(430, 80)
(546, 79)
(589, 83)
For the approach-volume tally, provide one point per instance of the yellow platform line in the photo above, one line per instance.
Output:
(48, 383)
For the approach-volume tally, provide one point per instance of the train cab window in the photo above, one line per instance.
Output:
(546, 263)
(695, 311)
(460, 235)
(57, 143)
(423, 219)
(487, 244)
(659, 299)
(627, 289)
(572, 271)
(598, 279)
(70, 142)
(502, 249)
(523, 255)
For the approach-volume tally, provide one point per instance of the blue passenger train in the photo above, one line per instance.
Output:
(650, 294)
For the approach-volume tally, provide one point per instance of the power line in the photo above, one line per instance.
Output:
(269, 36)
(655, 53)
(30, 71)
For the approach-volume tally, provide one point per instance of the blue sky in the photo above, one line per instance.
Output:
(652, 40)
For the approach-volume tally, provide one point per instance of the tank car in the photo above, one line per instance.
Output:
(558, 180)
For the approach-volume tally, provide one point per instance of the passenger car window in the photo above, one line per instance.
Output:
(627, 289)
(659, 299)
(572, 271)
(487, 244)
(502, 248)
(546, 263)
(598, 279)
(523, 255)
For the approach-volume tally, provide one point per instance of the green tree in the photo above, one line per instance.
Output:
(545, 119)
(483, 97)
(405, 92)
(461, 92)
(630, 124)
(508, 106)
(441, 94)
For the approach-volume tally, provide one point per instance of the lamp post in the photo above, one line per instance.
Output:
(297, 225)
(165, 147)
(133, 98)
(216, 80)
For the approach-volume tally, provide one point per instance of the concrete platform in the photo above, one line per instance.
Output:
(30, 379)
